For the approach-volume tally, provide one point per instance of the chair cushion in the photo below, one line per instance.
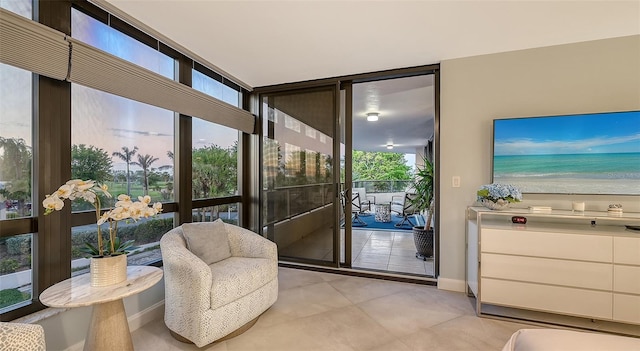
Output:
(22, 336)
(208, 241)
(236, 277)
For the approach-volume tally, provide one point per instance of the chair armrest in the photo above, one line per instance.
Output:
(374, 199)
(187, 277)
(245, 243)
(399, 201)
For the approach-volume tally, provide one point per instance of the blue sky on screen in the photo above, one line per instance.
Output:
(577, 134)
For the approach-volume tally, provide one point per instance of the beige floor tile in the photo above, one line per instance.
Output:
(442, 300)
(322, 311)
(348, 326)
(395, 345)
(292, 336)
(308, 300)
(403, 314)
(155, 336)
(357, 289)
(290, 278)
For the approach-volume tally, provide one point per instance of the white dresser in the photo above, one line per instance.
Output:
(578, 264)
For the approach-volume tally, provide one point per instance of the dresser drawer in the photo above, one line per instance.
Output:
(590, 275)
(626, 279)
(626, 308)
(583, 247)
(626, 250)
(548, 298)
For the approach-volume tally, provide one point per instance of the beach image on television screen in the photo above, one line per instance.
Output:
(595, 153)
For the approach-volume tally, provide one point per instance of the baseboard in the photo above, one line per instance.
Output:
(136, 321)
(152, 313)
(451, 284)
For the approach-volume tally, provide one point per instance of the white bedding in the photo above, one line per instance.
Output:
(567, 340)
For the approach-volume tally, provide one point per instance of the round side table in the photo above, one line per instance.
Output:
(109, 328)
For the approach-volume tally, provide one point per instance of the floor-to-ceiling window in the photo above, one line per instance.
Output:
(215, 156)
(52, 130)
(298, 191)
(16, 169)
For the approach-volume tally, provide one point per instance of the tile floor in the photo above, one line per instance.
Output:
(322, 311)
(392, 251)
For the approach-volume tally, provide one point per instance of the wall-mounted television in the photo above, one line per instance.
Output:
(597, 153)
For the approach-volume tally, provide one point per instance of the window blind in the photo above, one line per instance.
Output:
(40, 49)
(32, 46)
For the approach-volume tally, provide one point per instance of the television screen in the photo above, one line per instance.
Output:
(595, 153)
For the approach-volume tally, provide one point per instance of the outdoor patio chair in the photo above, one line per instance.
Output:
(364, 200)
(401, 204)
(355, 210)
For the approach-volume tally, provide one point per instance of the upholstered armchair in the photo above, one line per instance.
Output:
(21, 336)
(219, 278)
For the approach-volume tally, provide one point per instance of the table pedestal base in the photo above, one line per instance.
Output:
(109, 328)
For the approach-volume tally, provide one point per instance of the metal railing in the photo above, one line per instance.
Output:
(286, 202)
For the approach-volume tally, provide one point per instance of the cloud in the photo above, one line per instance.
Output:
(627, 143)
(124, 132)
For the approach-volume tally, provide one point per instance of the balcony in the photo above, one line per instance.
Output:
(302, 215)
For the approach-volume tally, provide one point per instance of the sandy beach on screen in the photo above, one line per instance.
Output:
(574, 185)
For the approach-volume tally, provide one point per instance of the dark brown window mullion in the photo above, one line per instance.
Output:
(51, 164)
(183, 159)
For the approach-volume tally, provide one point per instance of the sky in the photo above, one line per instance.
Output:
(577, 134)
(108, 121)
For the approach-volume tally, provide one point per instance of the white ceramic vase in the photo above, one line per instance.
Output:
(108, 270)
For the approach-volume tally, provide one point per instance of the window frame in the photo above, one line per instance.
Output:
(51, 244)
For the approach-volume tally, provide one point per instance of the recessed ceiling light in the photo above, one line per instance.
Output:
(372, 116)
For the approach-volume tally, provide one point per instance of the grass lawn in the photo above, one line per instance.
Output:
(136, 190)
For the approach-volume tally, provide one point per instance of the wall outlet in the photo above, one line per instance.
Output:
(455, 181)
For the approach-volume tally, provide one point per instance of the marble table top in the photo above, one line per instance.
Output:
(77, 291)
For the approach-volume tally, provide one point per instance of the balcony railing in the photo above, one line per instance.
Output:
(286, 202)
(382, 186)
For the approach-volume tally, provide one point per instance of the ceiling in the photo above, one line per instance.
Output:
(406, 108)
(261, 43)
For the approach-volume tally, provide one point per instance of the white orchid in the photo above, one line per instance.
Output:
(124, 209)
(52, 203)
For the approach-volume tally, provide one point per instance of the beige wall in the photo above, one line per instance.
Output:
(595, 76)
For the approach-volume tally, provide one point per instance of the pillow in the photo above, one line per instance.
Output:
(208, 241)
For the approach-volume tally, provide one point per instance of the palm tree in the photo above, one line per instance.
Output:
(145, 163)
(15, 169)
(126, 155)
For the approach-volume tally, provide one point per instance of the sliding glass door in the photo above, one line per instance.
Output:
(299, 180)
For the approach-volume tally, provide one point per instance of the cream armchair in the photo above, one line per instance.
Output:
(207, 302)
(21, 336)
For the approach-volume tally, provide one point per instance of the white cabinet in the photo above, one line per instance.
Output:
(626, 279)
(584, 265)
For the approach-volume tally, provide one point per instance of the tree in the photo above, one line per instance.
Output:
(126, 155)
(379, 166)
(15, 172)
(215, 171)
(90, 163)
(145, 163)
